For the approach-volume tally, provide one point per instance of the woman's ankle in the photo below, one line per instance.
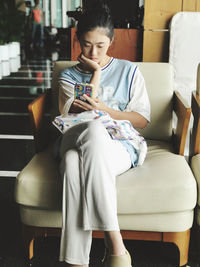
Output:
(114, 243)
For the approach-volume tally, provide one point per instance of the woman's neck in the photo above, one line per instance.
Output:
(105, 61)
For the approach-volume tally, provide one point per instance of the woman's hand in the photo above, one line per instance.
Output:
(75, 108)
(135, 118)
(94, 67)
(88, 64)
(93, 103)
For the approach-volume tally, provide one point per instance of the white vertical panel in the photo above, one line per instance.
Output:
(69, 8)
(46, 12)
(64, 15)
(53, 13)
(77, 3)
(141, 2)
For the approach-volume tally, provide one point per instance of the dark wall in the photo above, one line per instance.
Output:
(124, 12)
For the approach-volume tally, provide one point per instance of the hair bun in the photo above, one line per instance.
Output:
(97, 6)
(96, 13)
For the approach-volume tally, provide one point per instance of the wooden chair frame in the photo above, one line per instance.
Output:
(40, 106)
(196, 124)
(195, 143)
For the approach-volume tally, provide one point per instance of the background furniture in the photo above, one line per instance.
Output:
(155, 200)
(184, 54)
(157, 16)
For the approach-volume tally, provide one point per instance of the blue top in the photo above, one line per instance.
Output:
(122, 87)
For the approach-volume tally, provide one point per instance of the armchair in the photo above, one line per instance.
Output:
(155, 200)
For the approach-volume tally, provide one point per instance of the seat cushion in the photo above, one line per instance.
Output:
(164, 183)
(195, 165)
(155, 222)
(39, 183)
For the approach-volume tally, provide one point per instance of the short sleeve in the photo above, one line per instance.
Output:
(66, 95)
(139, 100)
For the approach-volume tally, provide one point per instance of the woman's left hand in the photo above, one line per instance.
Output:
(93, 103)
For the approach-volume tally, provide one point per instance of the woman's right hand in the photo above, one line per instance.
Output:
(89, 64)
(74, 108)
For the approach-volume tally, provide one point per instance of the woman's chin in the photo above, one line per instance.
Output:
(95, 60)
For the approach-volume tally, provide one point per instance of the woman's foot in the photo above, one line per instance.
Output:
(118, 261)
(116, 254)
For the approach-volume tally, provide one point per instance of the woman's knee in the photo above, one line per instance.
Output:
(70, 163)
(97, 132)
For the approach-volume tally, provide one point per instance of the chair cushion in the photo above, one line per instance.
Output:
(195, 165)
(164, 183)
(159, 83)
(154, 222)
(39, 183)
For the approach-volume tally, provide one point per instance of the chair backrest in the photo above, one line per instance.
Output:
(159, 83)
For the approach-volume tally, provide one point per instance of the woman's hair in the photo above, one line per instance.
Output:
(96, 14)
(36, 2)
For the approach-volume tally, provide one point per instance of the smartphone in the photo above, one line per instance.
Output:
(83, 88)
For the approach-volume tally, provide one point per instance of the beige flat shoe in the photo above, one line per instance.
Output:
(117, 261)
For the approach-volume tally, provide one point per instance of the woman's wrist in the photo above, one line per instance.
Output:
(97, 71)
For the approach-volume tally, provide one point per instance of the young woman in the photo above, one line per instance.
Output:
(90, 159)
(37, 25)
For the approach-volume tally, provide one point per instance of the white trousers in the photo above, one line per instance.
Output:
(90, 162)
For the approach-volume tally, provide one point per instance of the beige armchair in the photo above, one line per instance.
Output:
(155, 201)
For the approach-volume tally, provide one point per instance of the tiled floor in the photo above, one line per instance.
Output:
(17, 148)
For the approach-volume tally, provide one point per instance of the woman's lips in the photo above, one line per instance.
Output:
(94, 59)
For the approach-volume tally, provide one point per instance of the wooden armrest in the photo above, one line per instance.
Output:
(196, 123)
(183, 112)
(37, 108)
(39, 122)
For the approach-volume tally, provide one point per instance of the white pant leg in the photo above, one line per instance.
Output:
(89, 192)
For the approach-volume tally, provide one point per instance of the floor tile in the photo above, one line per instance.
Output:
(16, 154)
(15, 124)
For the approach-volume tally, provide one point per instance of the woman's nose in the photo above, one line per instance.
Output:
(93, 50)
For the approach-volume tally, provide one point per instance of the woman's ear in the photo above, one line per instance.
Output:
(111, 41)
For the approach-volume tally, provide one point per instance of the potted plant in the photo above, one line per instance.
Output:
(12, 21)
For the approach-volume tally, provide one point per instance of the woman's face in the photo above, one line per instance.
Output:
(95, 44)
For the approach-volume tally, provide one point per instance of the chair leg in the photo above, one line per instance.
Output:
(28, 237)
(181, 240)
(198, 240)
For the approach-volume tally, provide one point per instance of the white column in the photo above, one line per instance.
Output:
(64, 14)
(53, 13)
(69, 9)
(141, 2)
(46, 12)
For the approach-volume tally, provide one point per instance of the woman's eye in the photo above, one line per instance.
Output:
(100, 46)
(86, 45)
